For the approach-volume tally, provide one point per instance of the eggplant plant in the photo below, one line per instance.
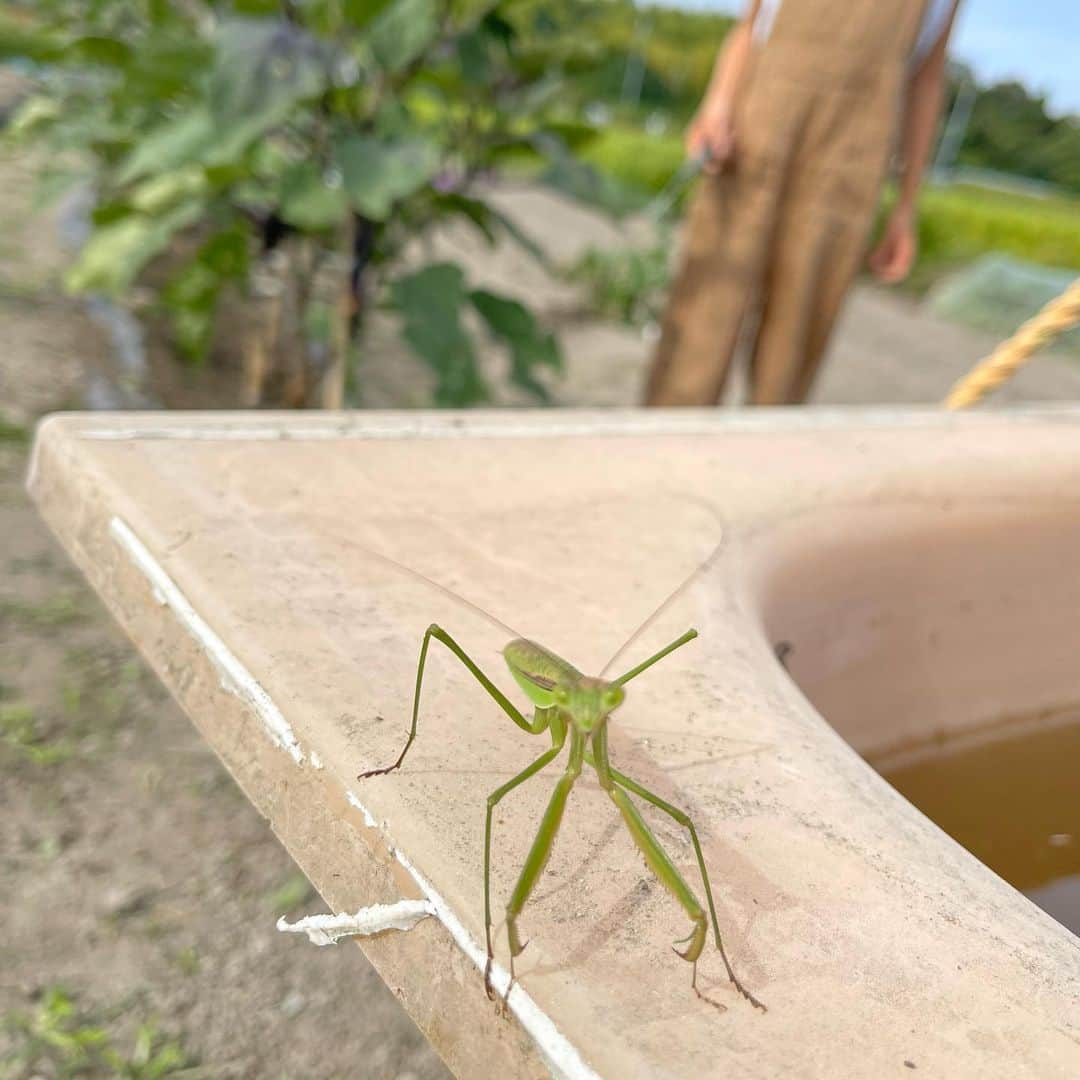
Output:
(337, 132)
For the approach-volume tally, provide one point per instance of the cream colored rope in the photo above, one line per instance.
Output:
(1058, 316)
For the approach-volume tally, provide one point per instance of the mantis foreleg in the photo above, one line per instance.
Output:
(558, 736)
(684, 820)
(533, 727)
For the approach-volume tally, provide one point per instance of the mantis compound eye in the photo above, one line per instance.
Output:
(613, 698)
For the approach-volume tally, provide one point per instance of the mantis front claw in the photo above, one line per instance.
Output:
(376, 772)
(492, 993)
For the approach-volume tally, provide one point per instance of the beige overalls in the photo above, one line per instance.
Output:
(788, 224)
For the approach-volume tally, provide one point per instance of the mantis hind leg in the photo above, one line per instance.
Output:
(684, 820)
(558, 736)
(540, 851)
(667, 873)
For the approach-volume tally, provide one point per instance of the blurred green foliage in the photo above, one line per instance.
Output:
(371, 122)
(361, 124)
(1010, 131)
(58, 1037)
(675, 49)
(626, 284)
(960, 223)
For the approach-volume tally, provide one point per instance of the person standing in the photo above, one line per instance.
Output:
(797, 130)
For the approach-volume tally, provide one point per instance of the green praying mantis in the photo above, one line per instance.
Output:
(568, 703)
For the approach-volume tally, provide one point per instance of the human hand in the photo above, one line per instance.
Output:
(892, 259)
(711, 136)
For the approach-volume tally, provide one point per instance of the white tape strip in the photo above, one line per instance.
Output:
(330, 929)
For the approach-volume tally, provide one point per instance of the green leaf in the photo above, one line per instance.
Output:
(574, 135)
(521, 237)
(307, 201)
(115, 253)
(191, 295)
(472, 50)
(106, 212)
(168, 66)
(495, 26)
(169, 146)
(99, 49)
(378, 172)
(193, 138)
(476, 211)
(257, 7)
(263, 69)
(32, 115)
(530, 346)
(403, 32)
(86, 125)
(361, 12)
(22, 39)
(193, 322)
(259, 62)
(479, 47)
(430, 303)
(161, 192)
(227, 252)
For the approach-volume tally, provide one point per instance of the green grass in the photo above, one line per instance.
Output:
(294, 891)
(13, 433)
(636, 159)
(628, 285)
(22, 733)
(58, 1037)
(65, 608)
(92, 699)
(956, 224)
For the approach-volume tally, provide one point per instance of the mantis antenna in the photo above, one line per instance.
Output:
(499, 624)
(358, 545)
(657, 612)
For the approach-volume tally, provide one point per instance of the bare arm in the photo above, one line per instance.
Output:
(893, 257)
(712, 129)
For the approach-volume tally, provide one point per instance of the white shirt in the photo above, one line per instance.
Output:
(935, 19)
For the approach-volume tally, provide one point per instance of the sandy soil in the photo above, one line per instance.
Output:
(132, 872)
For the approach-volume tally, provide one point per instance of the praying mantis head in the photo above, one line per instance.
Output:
(589, 701)
(551, 682)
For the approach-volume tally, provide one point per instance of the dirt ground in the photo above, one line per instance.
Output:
(133, 874)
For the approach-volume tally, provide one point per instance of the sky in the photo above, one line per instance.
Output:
(1037, 42)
